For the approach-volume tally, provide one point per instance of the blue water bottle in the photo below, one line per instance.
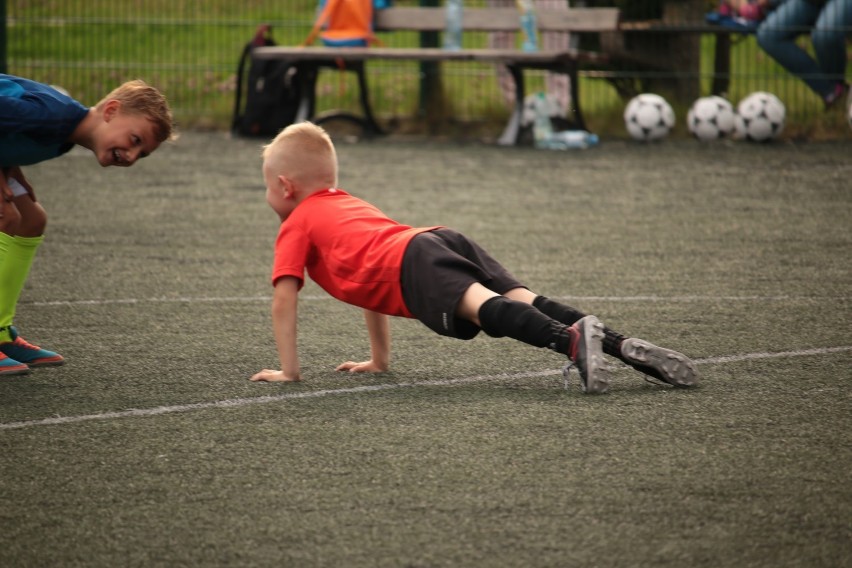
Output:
(573, 140)
(529, 25)
(453, 29)
(542, 127)
(546, 139)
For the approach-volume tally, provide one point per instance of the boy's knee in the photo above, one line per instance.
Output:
(33, 220)
(10, 218)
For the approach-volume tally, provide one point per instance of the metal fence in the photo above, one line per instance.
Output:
(190, 50)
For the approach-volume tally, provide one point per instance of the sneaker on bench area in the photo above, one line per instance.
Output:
(664, 364)
(30, 355)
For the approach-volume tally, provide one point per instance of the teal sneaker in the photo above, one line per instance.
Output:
(9, 366)
(30, 355)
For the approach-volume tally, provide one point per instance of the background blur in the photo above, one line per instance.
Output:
(190, 50)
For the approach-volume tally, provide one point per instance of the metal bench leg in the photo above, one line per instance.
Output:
(573, 73)
(370, 123)
(513, 127)
(722, 64)
(307, 91)
(367, 123)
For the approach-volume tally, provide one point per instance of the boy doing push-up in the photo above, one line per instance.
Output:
(434, 274)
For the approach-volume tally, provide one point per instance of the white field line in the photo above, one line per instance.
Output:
(308, 297)
(239, 402)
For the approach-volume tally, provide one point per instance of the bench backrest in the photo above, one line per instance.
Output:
(497, 19)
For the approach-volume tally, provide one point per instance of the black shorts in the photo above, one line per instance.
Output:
(437, 269)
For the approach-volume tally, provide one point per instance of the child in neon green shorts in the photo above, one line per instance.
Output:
(37, 123)
(434, 274)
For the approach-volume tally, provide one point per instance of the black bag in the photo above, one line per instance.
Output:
(271, 92)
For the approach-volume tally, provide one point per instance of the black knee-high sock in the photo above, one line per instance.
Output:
(559, 312)
(568, 316)
(502, 317)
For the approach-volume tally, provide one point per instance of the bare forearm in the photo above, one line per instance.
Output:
(284, 317)
(378, 326)
(284, 329)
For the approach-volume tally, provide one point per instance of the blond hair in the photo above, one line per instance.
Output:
(304, 153)
(139, 98)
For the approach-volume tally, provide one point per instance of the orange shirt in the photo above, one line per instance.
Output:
(344, 21)
(349, 247)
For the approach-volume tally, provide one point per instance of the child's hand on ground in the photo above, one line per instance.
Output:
(363, 367)
(272, 376)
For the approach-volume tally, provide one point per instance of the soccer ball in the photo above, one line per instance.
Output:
(552, 106)
(711, 118)
(648, 117)
(760, 117)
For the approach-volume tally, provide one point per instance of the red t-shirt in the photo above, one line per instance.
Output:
(349, 247)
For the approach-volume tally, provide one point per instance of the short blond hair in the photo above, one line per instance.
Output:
(304, 153)
(139, 98)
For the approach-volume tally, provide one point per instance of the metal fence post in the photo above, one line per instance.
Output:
(3, 66)
(430, 72)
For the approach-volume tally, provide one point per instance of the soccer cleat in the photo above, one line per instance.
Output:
(30, 355)
(586, 352)
(9, 366)
(664, 364)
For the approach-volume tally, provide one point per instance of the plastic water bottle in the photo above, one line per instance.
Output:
(529, 25)
(546, 138)
(542, 127)
(573, 139)
(453, 29)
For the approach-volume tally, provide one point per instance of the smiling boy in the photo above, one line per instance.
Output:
(37, 123)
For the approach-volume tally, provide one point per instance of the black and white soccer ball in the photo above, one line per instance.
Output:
(711, 118)
(648, 117)
(760, 117)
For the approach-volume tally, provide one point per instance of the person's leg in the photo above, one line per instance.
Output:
(18, 249)
(658, 362)
(8, 365)
(777, 34)
(18, 252)
(501, 316)
(15, 262)
(829, 41)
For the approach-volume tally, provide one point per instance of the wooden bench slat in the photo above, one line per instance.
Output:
(579, 20)
(424, 54)
(497, 19)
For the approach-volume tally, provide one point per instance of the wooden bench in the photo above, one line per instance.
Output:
(674, 48)
(665, 53)
(432, 20)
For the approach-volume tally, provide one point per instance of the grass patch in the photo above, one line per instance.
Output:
(158, 296)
